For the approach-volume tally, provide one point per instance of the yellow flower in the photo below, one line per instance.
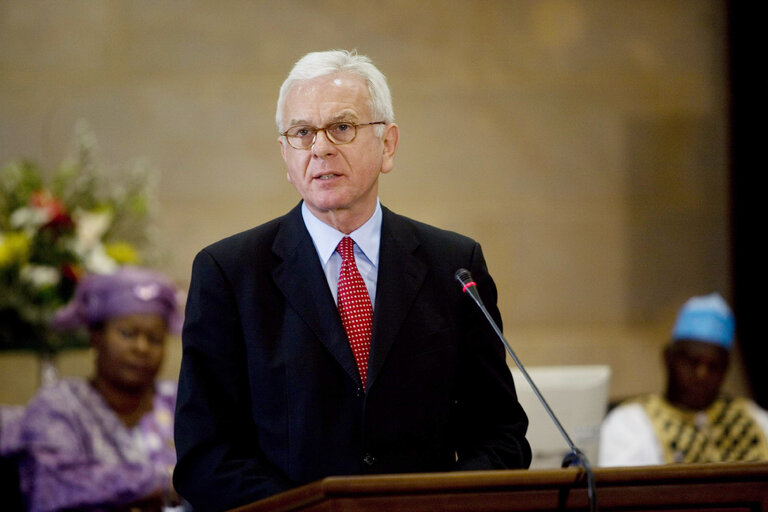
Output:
(122, 252)
(14, 248)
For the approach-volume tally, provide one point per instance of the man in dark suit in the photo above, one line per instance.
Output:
(271, 393)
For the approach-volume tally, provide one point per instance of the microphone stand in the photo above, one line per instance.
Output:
(576, 456)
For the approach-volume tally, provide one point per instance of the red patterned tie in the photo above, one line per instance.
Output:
(355, 306)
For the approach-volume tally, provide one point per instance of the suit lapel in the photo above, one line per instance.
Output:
(301, 279)
(401, 275)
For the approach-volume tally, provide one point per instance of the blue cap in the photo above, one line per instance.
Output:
(706, 318)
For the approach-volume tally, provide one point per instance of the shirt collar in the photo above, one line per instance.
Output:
(326, 239)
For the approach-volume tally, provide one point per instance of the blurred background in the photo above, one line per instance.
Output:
(585, 144)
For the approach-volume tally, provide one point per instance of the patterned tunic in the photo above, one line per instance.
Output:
(724, 432)
(77, 453)
(649, 430)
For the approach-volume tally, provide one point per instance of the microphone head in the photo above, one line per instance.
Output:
(463, 276)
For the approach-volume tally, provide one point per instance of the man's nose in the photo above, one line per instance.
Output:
(323, 145)
(702, 370)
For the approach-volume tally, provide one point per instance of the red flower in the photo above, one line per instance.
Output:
(71, 272)
(55, 212)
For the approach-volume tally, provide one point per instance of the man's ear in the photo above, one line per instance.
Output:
(281, 141)
(283, 151)
(390, 140)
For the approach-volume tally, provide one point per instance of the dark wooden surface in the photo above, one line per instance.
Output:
(710, 487)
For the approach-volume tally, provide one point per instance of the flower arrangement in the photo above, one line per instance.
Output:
(56, 228)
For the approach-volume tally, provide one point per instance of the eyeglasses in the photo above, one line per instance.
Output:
(304, 137)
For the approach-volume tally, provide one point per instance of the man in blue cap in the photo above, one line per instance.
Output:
(691, 422)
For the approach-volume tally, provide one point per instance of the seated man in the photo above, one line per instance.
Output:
(691, 422)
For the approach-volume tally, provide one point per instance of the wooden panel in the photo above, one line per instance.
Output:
(713, 487)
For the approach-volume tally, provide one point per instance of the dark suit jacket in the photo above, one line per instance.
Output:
(269, 393)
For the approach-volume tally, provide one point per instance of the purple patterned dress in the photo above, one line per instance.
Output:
(76, 453)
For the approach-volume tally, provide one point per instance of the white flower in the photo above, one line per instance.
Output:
(40, 276)
(97, 261)
(90, 226)
(28, 218)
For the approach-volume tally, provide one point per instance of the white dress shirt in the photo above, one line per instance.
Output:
(367, 240)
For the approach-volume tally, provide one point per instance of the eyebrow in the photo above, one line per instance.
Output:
(346, 115)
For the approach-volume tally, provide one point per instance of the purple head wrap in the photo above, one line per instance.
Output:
(129, 290)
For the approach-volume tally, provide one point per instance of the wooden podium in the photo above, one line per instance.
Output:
(701, 487)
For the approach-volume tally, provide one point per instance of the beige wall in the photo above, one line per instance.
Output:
(583, 143)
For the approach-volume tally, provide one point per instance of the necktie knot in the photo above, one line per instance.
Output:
(346, 248)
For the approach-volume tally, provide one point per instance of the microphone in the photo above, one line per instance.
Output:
(576, 456)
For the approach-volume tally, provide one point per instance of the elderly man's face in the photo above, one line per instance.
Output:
(337, 181)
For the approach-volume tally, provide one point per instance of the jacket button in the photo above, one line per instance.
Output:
(359, 392)
(369, 459)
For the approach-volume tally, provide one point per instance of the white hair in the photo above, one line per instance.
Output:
(317, 64)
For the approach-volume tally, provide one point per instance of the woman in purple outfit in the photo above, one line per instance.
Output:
(107, 442)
